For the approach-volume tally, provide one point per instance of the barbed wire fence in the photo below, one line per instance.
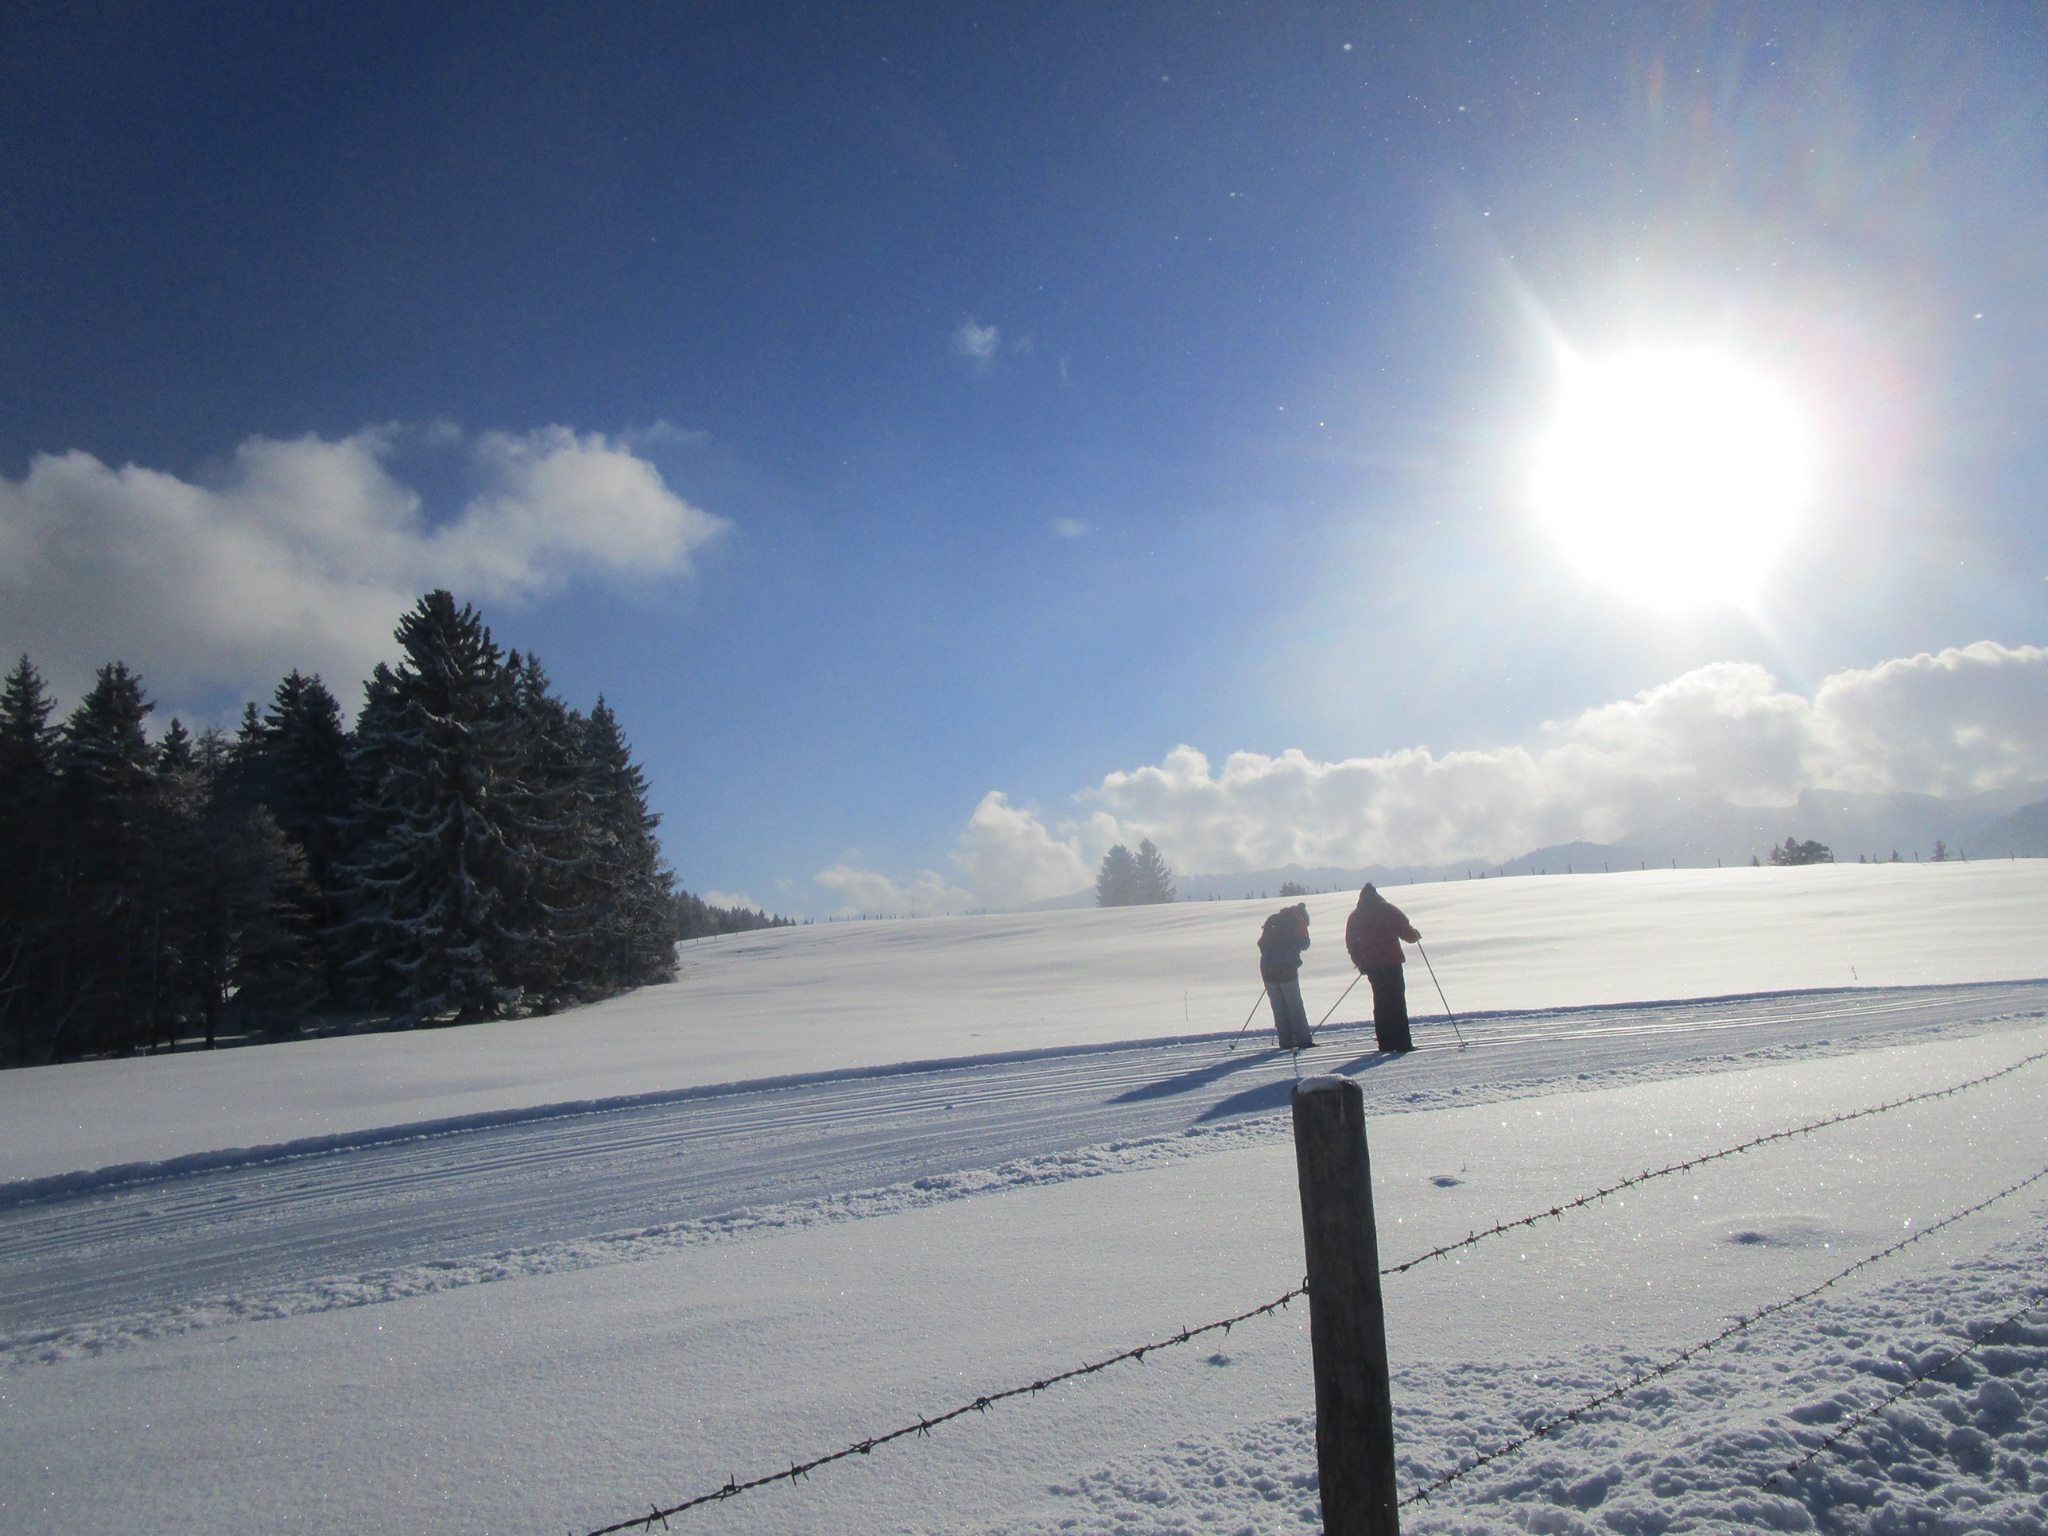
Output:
(1562, 1208)
(1693, 1351)
(982, 1404)
(734, 1487)
(1912, 1383)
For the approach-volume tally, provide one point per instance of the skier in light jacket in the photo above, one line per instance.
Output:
(1281, 942)
(1373, 935)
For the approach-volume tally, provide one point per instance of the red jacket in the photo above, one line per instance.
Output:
(1374, 932)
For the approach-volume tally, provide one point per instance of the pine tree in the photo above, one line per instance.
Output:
(1116, 883)
(633, 927)
(554, 828)
(294, 765)
(28, 785)
(1153, 881)
(106, 804)
(235, 901)
(429, 876)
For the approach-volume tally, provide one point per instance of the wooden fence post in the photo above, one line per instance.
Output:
(1347, 1323)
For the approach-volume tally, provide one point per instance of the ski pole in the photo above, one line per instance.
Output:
(1340, 998)
(1440, 994)
(1247, 1024)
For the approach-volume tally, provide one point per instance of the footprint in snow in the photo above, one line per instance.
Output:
(1787, 1232)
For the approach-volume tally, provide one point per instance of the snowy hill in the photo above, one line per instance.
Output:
(549, 1274)
(847, 996)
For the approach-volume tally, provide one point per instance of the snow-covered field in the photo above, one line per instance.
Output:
(547, 1275)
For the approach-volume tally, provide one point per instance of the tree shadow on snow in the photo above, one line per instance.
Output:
(1276, 1095)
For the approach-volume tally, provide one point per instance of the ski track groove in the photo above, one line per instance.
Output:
(545, 1142)
(200, 1238)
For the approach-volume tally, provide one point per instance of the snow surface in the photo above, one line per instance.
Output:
(545, 1275)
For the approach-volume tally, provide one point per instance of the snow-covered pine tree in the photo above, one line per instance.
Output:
(429, 871)
(634, 923)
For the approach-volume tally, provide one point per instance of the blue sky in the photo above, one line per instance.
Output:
(958, 437)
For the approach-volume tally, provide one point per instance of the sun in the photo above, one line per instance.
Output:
(1672, 476)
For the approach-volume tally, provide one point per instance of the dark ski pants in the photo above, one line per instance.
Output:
(1390, 1007)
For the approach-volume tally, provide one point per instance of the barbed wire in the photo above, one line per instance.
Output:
(1691, 1163)
(982, 1404)
(1858, 1420)
(924, 1426)
(1691, 1351)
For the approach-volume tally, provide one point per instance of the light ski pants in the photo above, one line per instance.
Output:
(1290, 1019)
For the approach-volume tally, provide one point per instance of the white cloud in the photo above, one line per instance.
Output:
(866, 891)
(731, 901)
(977, 342)
(1970, 719)
(1069, 528)
(1964, 720)
(1007, 852)
(660, 434)
(305, 553)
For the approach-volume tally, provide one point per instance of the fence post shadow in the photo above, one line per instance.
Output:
(1347, 1320)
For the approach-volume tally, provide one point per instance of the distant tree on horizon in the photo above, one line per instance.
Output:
(696, 918)
(1154, 878)
(1116, 883)
(1796, 852)
(1133, 880)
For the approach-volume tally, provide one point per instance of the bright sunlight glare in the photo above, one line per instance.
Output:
(1672, 476)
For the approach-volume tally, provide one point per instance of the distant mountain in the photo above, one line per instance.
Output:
(1583, 859)
(1267, 882)
(1853, 825)
(2024, 832)
(2009, 821)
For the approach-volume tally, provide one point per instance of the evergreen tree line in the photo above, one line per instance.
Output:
(1133, 880)
(473, 847)
(695, 918)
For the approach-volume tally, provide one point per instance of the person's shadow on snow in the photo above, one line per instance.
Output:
(1187, 1082)
(1268, 1097)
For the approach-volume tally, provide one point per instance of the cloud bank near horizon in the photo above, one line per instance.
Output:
(305, 553)
(1965, 720)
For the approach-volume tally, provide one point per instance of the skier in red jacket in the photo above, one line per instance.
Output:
(1373, 935)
